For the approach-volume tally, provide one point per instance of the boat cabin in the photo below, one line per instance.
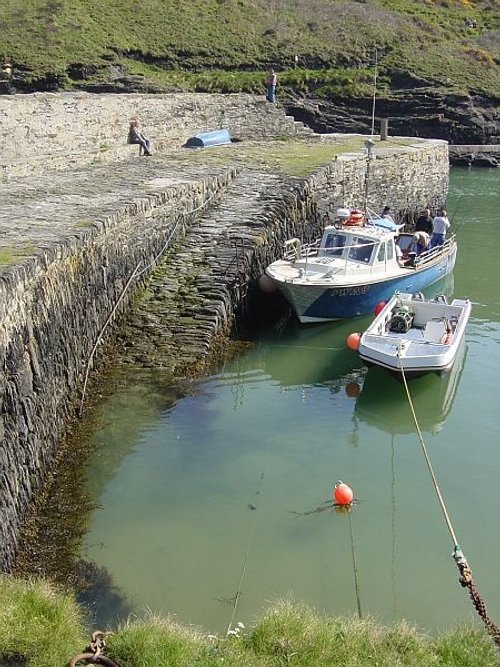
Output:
(369, 246)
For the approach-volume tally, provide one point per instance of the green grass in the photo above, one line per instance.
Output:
(42, 626)
(293, 634)
(289, 156)
(38, 622)
(9, 255)
(225, 45)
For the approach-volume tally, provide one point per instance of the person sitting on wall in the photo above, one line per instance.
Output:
(135, 136)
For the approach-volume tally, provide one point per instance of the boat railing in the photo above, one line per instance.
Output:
(294, 249)
(431, 255)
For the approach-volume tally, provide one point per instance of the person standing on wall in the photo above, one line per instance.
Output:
(271, 82)
(440, 226)
(135, 136)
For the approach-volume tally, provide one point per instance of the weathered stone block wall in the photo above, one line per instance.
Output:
(406, 178)
(61, 131)
(52, 310)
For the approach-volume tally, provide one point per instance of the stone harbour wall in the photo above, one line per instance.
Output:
(406, 178)
(64, 131)
(52, 309)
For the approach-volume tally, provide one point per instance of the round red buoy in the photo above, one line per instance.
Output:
(379, 308)
(343, 494)
(267, 284)
(352, 341)
(352, 389)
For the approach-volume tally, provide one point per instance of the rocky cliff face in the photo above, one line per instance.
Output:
(420, 112)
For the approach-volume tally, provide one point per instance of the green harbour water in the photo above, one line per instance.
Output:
(227, 487)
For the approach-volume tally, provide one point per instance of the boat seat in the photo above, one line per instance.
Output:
(434, 331)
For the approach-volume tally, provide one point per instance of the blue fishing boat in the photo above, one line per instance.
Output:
(353, 267)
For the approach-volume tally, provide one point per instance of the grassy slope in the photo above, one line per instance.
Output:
(225, 44)
(44, 628)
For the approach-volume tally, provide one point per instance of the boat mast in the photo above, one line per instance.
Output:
(374, 92)
(369, 156)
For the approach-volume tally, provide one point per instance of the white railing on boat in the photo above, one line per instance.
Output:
(295, 250)
(429, 256)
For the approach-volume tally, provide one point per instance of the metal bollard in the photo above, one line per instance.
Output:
(384, 128)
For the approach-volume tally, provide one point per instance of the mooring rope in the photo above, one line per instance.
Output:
(466, 578)
(135, 274)
(239, 592)
(311, 347)
(355, 567)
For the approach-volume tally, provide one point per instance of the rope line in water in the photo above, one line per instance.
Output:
(355, 567)
(466, 577)
(239, 592)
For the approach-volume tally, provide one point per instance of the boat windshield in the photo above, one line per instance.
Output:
(334, 244)
(361, 249)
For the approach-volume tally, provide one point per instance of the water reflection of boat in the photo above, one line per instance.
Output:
(311, 356)
(382, 401)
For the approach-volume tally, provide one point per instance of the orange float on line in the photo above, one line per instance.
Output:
(343, 494)
(352, 389)
(379, 308)
(352, 341)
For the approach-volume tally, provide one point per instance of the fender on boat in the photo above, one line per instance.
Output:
(356, 218)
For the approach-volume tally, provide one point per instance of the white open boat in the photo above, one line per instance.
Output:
(416, 335)
(351, 269)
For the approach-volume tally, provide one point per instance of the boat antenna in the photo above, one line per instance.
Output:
(369, 156)
(374, 92)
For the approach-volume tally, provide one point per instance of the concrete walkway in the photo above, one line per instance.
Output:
(41, 210)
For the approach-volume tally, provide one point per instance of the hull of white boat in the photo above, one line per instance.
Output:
(438, 363)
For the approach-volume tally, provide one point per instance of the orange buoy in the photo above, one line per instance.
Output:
(379, 308)
(355, 218)
(352, 341)
(343, 494)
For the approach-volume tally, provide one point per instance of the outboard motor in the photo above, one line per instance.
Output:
(402, 320)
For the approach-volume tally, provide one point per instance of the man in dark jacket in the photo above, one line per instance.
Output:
(424, 222)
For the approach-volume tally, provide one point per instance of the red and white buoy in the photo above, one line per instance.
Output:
(343, 494)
